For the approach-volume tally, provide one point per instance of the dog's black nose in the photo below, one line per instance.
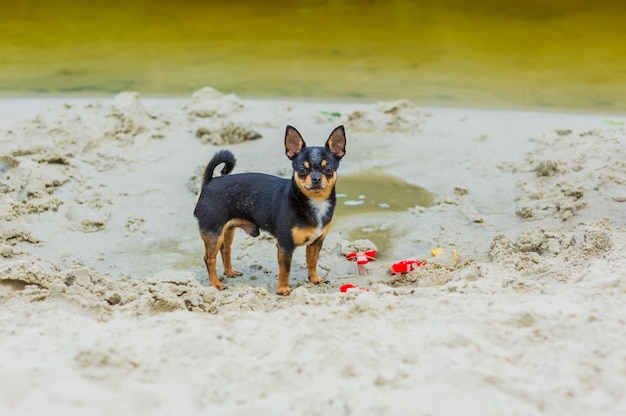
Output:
(316, 179)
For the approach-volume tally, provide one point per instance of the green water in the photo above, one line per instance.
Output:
(374, 194)
(377, 192)
(556, 54)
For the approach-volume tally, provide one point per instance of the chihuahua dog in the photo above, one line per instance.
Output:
(296, 211)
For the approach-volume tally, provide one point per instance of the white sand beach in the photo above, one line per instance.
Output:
(105, 307)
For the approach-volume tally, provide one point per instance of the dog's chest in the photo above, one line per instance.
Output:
(307, 235)
(320, 209)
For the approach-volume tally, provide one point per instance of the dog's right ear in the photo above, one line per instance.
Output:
(293, 142)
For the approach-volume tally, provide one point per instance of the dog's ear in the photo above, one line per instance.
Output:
(336, 143)
(293, 142)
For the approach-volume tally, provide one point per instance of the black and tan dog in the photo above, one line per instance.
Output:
(297, 211)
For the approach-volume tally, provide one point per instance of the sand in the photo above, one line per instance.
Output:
(105, 306)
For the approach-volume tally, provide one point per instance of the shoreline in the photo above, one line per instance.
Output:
(101, 264)
(53, 99)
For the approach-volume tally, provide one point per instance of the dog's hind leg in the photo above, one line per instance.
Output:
(211, 247)
(227, 241)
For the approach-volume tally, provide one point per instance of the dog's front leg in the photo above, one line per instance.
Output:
(312, 256)
(284, 268)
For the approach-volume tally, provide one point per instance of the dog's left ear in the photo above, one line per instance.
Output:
(336, 143)
(293, 142)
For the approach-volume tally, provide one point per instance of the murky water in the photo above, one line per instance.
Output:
(368, 205)
(377, 192)
(541, 54)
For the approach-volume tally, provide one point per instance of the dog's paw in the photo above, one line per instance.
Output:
(219, 286)
(283, 290)
(232, 273)
(317, 280)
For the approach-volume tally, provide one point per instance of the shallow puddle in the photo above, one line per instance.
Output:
(368, 205)
(373, 192)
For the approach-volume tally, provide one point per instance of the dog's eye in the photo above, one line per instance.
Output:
(328, 170)
(302, 171)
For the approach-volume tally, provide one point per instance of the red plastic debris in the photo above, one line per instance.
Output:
(362, 257)
(345, 288)
(405, 266)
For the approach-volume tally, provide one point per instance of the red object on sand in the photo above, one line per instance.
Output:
(405, 266)
(345, 288)
(362, 257)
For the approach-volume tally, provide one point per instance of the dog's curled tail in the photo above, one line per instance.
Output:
(223, 156)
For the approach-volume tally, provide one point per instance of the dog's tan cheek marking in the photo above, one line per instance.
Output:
(302, 183)
(329, 182)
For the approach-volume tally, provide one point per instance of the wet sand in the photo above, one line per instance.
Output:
(105, 306)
